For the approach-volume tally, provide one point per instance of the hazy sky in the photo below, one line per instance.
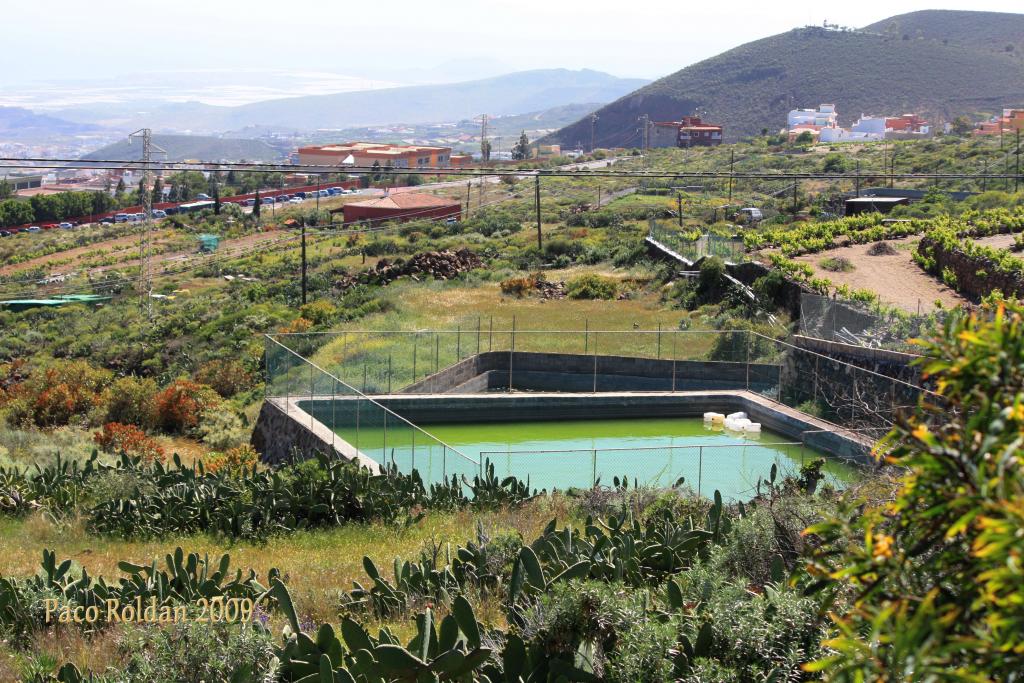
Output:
(98, 39)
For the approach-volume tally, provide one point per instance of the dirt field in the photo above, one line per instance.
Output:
(997, 241)
(897, 279)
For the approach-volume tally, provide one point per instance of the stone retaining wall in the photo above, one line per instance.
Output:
(975, 277)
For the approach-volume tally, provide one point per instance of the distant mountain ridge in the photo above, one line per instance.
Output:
(514, 93)
(16, 122)
(184, 147)
(934, 62)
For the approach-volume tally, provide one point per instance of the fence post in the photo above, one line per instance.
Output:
(437, 350)
(267, 373)
(334, 416)
(594, 376)
(814, 396)
(458, 343)
(444, 462)
(478, 330)
(593, 468)
(747, 335)
(389, 374)
(490, 334)
(412, 459)
(511, 352)
(659, 341)
(415, 345)
(586, 336)
(344, 353)
(364, 376)
(700, 468)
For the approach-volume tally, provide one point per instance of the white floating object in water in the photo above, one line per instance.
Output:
(737, 416)
(713, 417)
(736, 425)
(752, 427)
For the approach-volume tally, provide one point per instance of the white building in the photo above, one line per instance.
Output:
(824, 116)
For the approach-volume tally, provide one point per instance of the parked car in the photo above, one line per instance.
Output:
(5, 233)
(300, 195)
(324, 193)
(295, 200)
(66, 226)
(203, 196)
(334, 190)
(249, 202)
(753, 213)
(120, 218)
(283, 199)
(159, 213)
(107, 220)
(267, 200)
(33, 228)
(49, 226)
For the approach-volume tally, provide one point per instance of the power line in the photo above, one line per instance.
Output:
(484, 172)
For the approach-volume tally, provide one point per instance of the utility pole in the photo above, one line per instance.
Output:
(593, 126)
(732, 160)
(795, 206)
(679, 207)
(1016, 180)
(485, 153)
(304, 282)
(145, 275)
(536, 200)
(469, 197)
(644, 133)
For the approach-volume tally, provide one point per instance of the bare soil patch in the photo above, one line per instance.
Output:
(895, 278)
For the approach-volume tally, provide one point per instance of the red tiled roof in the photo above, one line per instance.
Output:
(406, 200)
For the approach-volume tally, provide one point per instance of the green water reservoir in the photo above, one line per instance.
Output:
(566, 453)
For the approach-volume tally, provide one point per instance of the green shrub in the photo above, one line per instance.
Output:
(837, 264)
(192, 652)
(129, 400)
(591, 286)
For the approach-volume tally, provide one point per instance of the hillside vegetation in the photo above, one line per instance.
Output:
(181, 147)
(936, 63)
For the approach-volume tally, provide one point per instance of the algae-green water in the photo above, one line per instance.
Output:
(574, 453)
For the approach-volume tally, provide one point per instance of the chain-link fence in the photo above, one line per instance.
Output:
(860, 324)
(353, 369)
(733, 469)
(356, 424)
(683, 243)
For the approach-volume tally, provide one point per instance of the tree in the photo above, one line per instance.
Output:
(932, 575)
(119, 192)
(375, 171)
(521, 150)
(835, 163)
(256, 206)
(485, 150)
(962, 125)
(6, 189)
(804, 138)
(158, 190)
(215, 193)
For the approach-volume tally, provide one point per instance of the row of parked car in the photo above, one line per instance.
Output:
(298, 197)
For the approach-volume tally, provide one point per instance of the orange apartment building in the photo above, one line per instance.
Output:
(366, 153)
(1011, 121)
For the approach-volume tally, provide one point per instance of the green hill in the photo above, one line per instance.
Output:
(182, 147)
(940, 64)
(988, 31)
